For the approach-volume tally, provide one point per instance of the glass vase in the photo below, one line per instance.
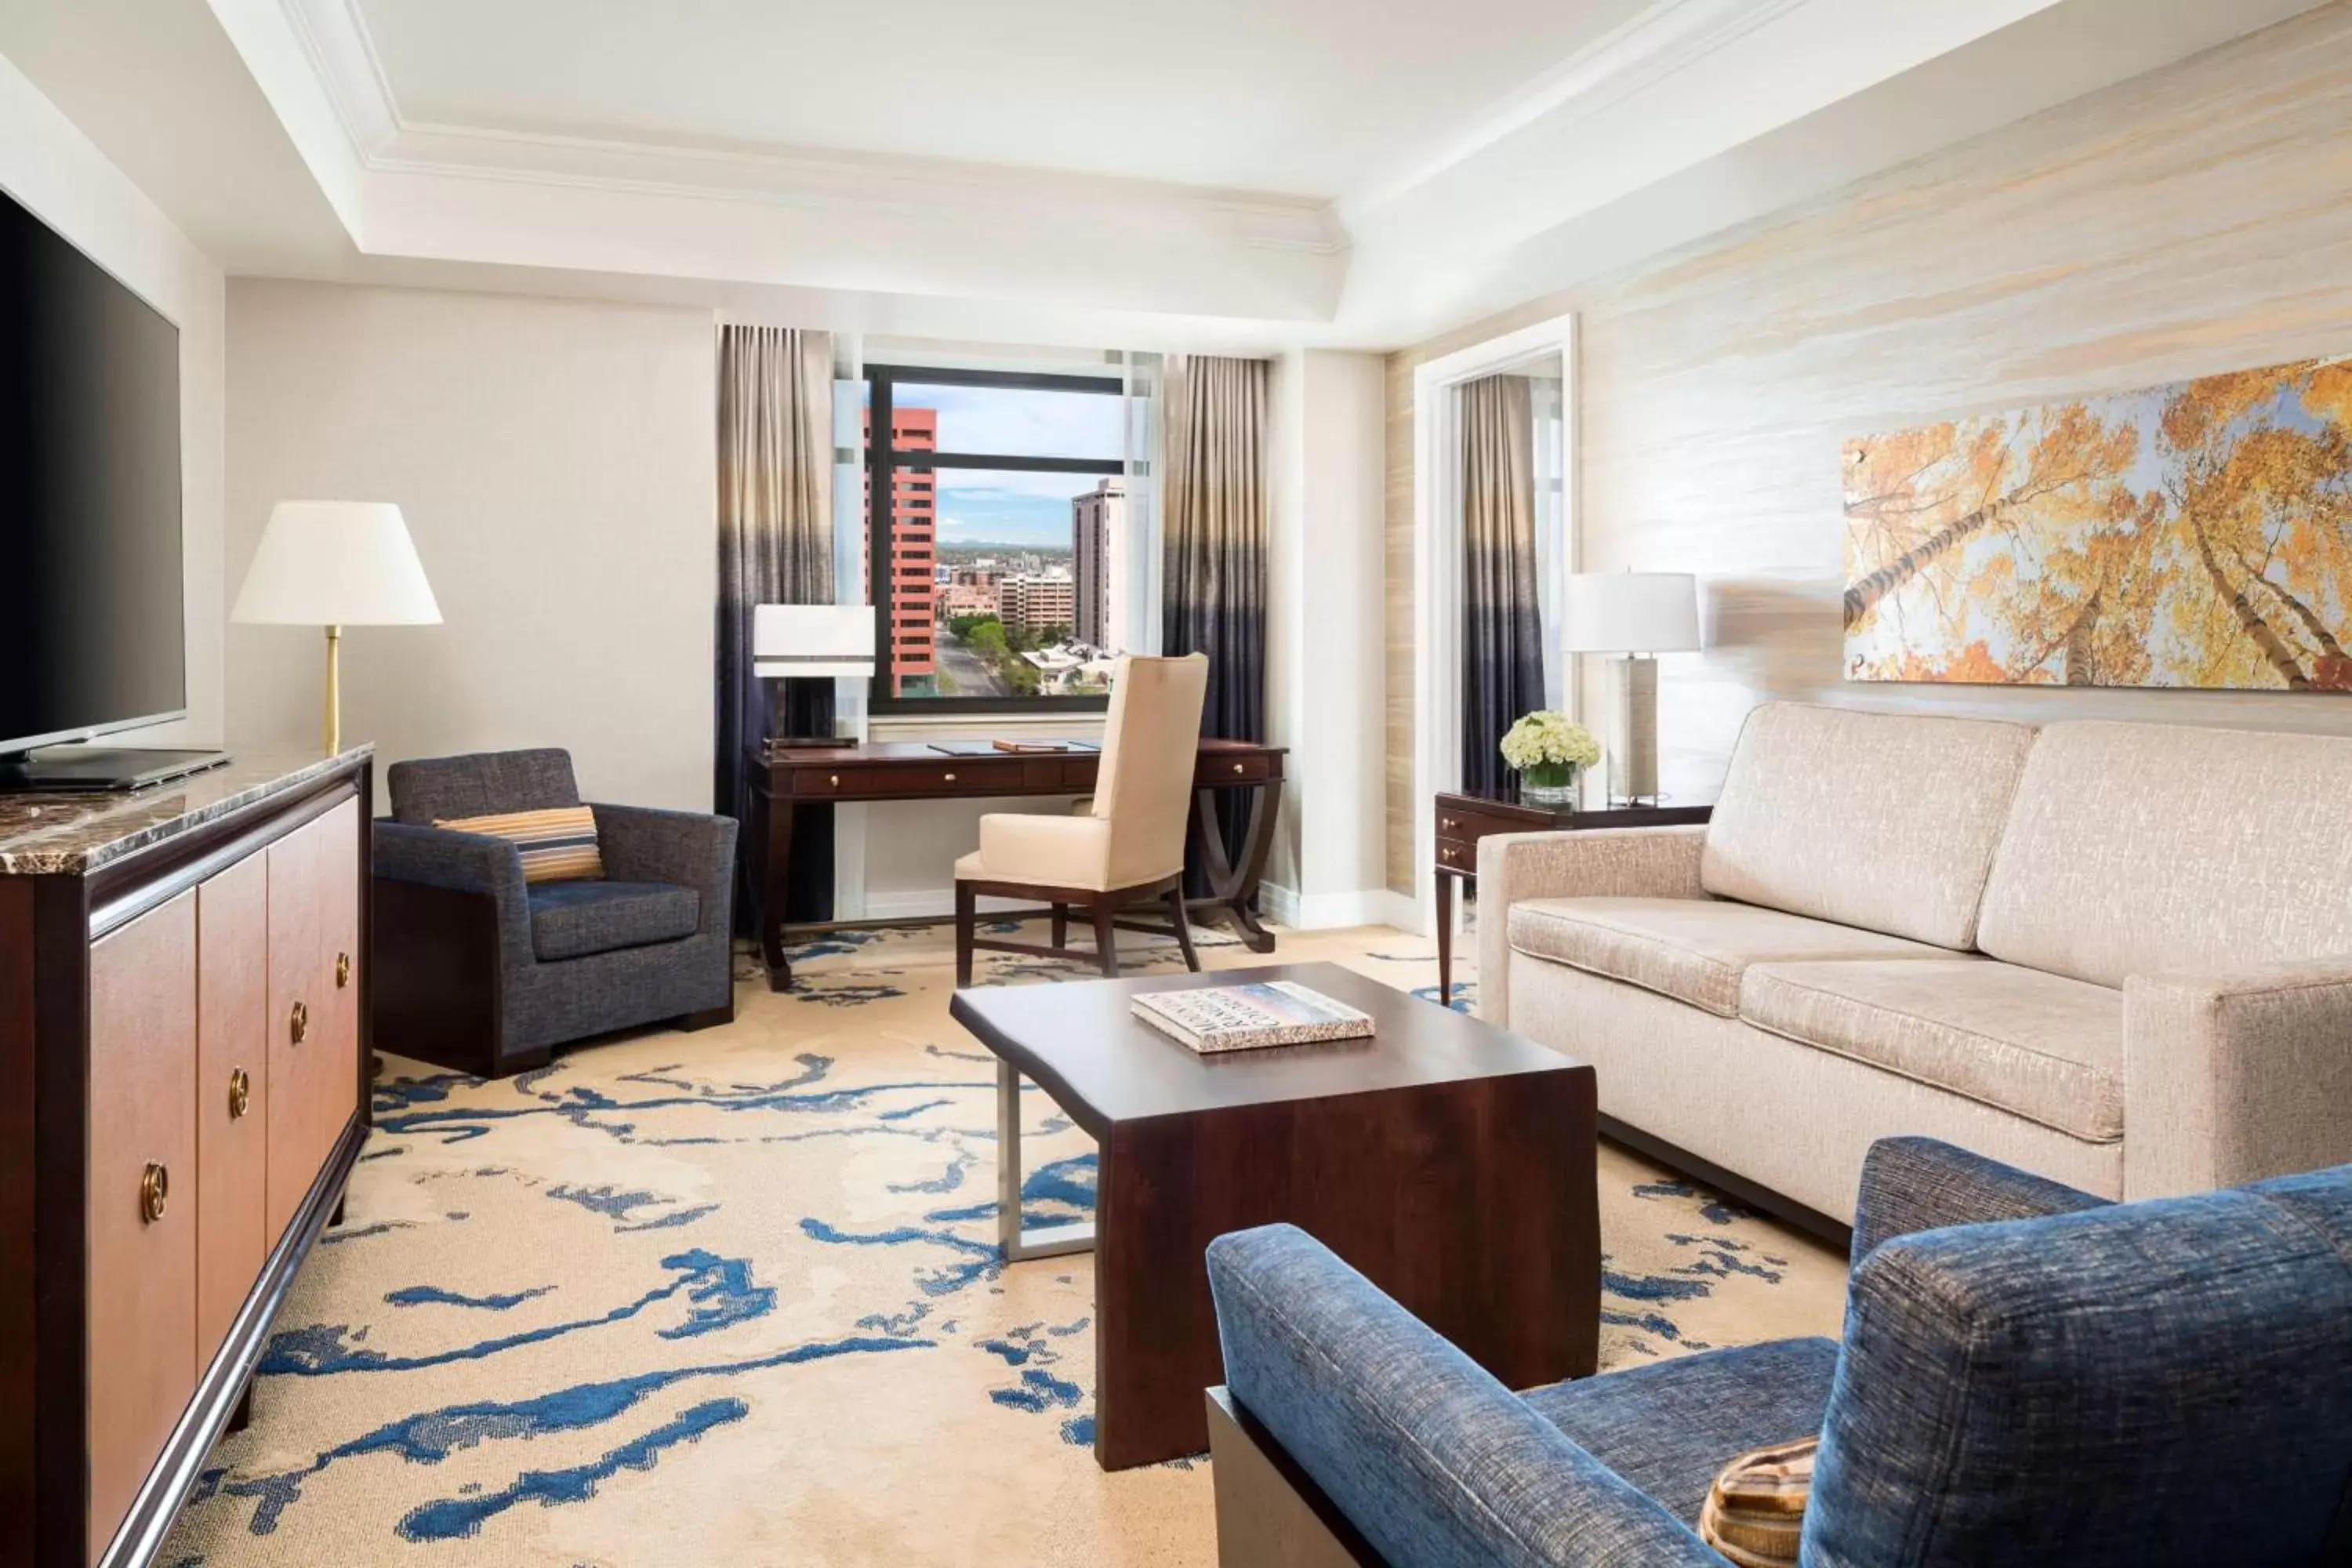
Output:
(1548, 785)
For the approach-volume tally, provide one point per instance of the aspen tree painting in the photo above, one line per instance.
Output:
(2194, 535)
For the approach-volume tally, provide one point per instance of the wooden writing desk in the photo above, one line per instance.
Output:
(912, 769)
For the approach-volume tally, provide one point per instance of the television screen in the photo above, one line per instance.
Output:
(92, 635)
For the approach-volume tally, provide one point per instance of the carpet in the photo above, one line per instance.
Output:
(734, 1298)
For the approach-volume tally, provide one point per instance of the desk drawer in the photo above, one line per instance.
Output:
(1216, 768)
(964, 776)
(1459, 855)
(832, 780)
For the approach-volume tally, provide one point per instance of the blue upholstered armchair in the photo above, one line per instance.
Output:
(478, 970)
(2076, 1384)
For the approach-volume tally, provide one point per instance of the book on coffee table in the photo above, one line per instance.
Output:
(1245, 1017)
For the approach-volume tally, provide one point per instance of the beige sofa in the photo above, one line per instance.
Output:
(2117, 954)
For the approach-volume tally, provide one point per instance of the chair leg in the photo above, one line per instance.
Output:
(1061, 925)
(1184, 927)
(1105, 942)
(966, 915)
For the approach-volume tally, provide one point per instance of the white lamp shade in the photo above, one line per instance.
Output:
(794, 640)
(336, 564)
(1630, 612)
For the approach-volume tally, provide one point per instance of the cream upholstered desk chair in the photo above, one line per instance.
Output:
(1129, 847)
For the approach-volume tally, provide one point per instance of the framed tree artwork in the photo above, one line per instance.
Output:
(2196, 535)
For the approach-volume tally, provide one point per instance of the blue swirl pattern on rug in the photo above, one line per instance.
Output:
(635, 1288)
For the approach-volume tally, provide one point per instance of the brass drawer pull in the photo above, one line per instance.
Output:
(1449, 823)
(240, 1093)
(1448, 853)
(1241, 767)
(342, 970)
(298, 1023)
(155, 1192)
(833, 779)
(950, 777)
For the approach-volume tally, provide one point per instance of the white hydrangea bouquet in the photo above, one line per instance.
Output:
(1547, 749)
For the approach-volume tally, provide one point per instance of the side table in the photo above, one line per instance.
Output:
(1464, 820)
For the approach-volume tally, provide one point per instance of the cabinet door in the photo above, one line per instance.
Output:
(313, 1073)
(142, 1201)
(233, 1236)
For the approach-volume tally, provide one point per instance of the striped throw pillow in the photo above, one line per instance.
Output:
(558, 844)
(1755, 1512)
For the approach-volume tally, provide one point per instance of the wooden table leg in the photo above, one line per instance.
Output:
(773, 873)
(1444, 939)
(1231, 889)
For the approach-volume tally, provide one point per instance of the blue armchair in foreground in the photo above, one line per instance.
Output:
(2075, 1383)
(480, 969)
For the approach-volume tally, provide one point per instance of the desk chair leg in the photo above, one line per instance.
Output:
(1061, 925)
(1105, 941)
(966, 917)
(1183, 926)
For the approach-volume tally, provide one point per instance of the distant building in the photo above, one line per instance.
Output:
(1098, 551)
(1036, 602)
(968, 599)
(914, 523)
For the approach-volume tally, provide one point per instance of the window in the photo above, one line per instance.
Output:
(997, 507)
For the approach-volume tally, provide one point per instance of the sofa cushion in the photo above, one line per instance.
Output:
(2142, 849)
(1669, 1428)
(2041, 1045)
(1693, 950)
(576, 919)
(1885, 821)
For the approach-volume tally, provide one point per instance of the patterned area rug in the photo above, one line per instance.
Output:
(734, 1297)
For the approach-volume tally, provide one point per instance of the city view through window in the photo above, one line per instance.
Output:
(1004, 534)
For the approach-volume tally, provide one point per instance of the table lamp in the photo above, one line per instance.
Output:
(335, 563)
(792, 641)
(1632, 614)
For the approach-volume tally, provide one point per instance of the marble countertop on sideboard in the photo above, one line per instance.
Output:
(72, 833)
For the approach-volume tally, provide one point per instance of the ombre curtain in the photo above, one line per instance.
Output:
(1213, 505)
(1502, 616)
(775, 547)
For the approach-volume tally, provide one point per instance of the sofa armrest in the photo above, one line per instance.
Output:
(1920, 1183)
(458, 862)
(2230, 1077)
(691, 849)
(1605, 862)
(1433, 1460)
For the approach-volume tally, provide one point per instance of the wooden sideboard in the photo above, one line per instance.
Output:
(911, 770)
(182, 1094)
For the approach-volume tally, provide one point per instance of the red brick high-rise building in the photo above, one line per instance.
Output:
(914, 588)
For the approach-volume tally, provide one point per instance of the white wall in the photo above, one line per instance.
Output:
(55, 171)
(556, 461)
(1326, 693)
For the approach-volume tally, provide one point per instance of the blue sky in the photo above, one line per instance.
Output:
(988, 506)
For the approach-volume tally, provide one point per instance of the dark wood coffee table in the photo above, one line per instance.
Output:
(1449, 1162)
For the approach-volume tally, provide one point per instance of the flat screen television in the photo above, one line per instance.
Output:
(92, 618)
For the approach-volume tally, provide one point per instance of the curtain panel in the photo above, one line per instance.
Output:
(1213, 502)
(1502, 615)
(775, 547)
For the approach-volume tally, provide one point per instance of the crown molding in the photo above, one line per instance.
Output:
(334, 37)
(1666, 38)
(1691, 116)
